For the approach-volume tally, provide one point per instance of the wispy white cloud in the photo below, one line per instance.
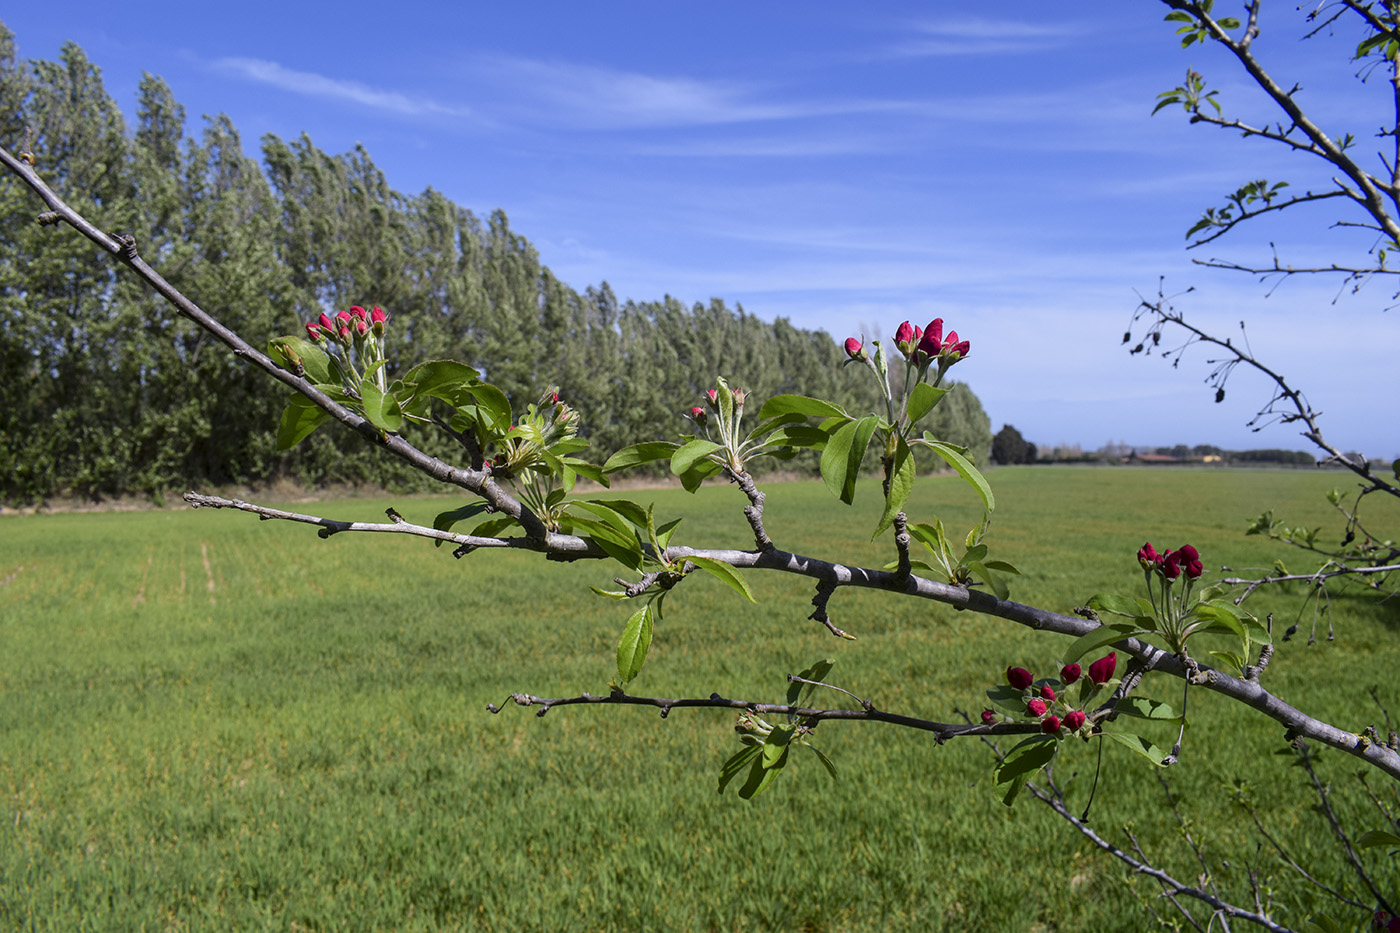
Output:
(976, 36)
(316, 85)
(608, 98)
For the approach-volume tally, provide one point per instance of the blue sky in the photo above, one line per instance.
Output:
(845, 166)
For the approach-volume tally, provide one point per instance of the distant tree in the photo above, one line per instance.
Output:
(1008, 446)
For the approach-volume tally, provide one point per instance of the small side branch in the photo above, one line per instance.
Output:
(942, 731)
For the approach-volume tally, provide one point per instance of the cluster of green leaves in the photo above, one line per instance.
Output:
(767, 747)
(1238, 204)
(1175, 619)
(959, 568)
(1193, 29)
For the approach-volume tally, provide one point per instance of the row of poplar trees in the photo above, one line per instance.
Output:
(106, 391)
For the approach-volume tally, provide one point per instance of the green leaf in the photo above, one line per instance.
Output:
(628, 509)
(588, 470)
(800, 405)
(840, 463)
(1001, 566)
(1377, 837)
(637, 454)
(901, 484)
(1138, 744)
(493, 526)
(445, 520)
(1144, 708)
(767, 425)
(965, 469)
(736, 763)
(1116, 604)
(299, 419)
(1025, 758)
(621, 547)
(761, 777)
(314, 361)
(632, 647)
(602, 508)
(797, 435)
(775, 747)
(692, 478)
(663, 532)
(997, 584)
(726, 573)
(922, 401)
(799, 693)
(826, 762)
(1097, 638)
(382, 410)
(698, 449)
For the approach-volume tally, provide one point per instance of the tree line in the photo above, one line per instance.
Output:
(106, 391)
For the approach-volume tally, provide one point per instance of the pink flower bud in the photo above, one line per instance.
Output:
(1051, 725)
(1187, 553)
(1019, 677)
(326, 324)
(1074, 719)
(1035, 708)
(739, 396)
(854, 350)
(344, 320)
(1069, 674)
(712, 395)
(377, 317)
(1170, 565)
(357, 312)
(1194, 569)
(1101, 671)
(954, 349)
(313, 331)
(698, 414)
(1046, 693)
(554, 397)
(988, 717)
(361, 327)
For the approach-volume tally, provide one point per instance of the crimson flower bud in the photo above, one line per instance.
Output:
(554, 397)
(712, 395)
(1195, 569)
(988, 717)
(1046, 693)
(344, 318)
(361, 327)
(1019, 677)
(1074, 719)
(1069, 674)
(906, 339)
(1148, 556)
(1187, 553)
(698, 414)
(932, 340)
(377, 317)
(1051, 725)
(326, 324)
(313, 331)
(357, 312)
(955, 349)
(1036, 708)
(854, 350)
(1101, 671)
(1170, 565)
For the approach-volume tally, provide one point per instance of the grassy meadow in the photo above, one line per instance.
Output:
(211, 722)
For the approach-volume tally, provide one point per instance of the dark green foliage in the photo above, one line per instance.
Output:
(107, 391)
(1010, 447)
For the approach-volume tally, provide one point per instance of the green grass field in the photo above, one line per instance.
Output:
(211, 722)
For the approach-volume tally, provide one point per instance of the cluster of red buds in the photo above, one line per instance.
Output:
(700, 416)
(345, 326)
(1171, 564)
(1045, 704)
(920, 345)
